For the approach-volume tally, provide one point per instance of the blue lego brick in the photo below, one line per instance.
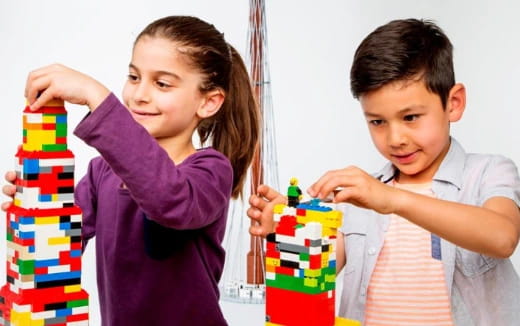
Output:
(64, 226)
(64, 312)
(46, 263)
(31, 166)
(26, 235)
(26, 220)
(57, 276)
(75, 253)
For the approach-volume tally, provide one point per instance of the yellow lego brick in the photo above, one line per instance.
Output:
(310, 282)
(272, 324)
(272, 261)
(49, 118)
(24, 319)
(346, 322)
(58, 240)
(278, 209)
(47, 220)
(328, 232)
(311, 272)
(72, 288)
(324, 260)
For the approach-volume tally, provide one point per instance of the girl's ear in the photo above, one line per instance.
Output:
(212, 102)
(456, 102)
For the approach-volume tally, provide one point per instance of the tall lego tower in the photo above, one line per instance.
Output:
(301, 265)
(44, 229)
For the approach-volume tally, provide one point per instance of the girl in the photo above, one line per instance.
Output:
(156, 204)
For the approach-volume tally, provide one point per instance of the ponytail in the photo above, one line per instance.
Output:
(236, 127)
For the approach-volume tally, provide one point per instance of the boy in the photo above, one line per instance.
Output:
(424, 241)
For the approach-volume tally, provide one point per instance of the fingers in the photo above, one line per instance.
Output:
(9, 190)
(35, 85)
(269, 193)
(6, 205)
(10, 176)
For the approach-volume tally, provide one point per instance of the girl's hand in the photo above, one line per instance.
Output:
(9, 189)
(261, 210)
(59, 82)
(353, 185)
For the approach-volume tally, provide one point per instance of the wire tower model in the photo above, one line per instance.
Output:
(244, 272)
(43, 228)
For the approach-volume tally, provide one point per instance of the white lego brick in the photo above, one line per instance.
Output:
(33, 117)
(43, 314)
(58, 269)
(57, 162)
(22, 308)
(270, 275)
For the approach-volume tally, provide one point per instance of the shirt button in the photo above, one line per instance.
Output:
(371, 250)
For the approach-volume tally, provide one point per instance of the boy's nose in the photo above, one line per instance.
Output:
(396, 136)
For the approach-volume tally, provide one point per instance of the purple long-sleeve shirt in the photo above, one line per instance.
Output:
(158, 237)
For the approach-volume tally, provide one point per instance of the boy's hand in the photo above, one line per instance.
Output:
(261, 210)
(59, 82)
(9, 189)
(356, 187)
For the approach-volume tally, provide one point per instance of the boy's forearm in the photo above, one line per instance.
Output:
(491, 230)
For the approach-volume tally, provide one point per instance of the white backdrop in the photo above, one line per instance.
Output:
(311, 43)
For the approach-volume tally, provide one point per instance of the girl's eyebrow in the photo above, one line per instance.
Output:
(158, 72)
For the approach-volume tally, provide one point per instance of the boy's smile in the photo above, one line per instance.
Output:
(409, 127)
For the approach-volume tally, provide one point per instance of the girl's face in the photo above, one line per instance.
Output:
(162, 91)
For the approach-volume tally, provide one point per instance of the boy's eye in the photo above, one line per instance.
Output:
(411, 117)
(376, 122)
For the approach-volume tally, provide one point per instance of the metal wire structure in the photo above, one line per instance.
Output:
(244, 271)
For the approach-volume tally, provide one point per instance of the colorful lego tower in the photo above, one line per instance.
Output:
(301, 266)
(44, 229)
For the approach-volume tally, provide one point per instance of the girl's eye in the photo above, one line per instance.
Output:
(132, 77)
(375, 122)
(411, 117)
(162, 84)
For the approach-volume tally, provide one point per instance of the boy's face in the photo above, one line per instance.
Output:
(409, 127)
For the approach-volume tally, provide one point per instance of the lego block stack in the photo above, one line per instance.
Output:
(301, 266)
(44, 229)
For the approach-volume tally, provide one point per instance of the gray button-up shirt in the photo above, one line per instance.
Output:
(483, 290)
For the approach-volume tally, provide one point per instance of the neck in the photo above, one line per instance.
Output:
(178, 150)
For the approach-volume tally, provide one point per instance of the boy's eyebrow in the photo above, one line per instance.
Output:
(402, 111)
(158, 72)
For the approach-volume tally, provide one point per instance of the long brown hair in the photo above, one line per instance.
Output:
(234, 130)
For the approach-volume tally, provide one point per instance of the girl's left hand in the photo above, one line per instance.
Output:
(59, 82)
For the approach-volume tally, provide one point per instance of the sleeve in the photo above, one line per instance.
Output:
(189, 196)
(85, 198)
(500, 179)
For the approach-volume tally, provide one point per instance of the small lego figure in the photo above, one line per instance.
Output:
(294, 193)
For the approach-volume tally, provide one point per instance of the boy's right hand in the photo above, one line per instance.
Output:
(9, 189)
(261, 210)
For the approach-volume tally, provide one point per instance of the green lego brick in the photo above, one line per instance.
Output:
(54, 147)
(25, 267)
(77, 303)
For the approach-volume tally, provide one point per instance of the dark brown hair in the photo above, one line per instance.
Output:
(234, 129)
(405, 49)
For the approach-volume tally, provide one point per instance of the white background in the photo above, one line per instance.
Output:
(311, 43)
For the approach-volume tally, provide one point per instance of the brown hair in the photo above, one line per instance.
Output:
(234, 130)
(401, 50)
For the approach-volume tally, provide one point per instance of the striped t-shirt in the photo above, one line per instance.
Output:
(408, 286)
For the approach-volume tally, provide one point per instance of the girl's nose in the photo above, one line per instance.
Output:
(141, 92)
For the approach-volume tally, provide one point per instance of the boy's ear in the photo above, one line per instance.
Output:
(212, 102)
(456, 102)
